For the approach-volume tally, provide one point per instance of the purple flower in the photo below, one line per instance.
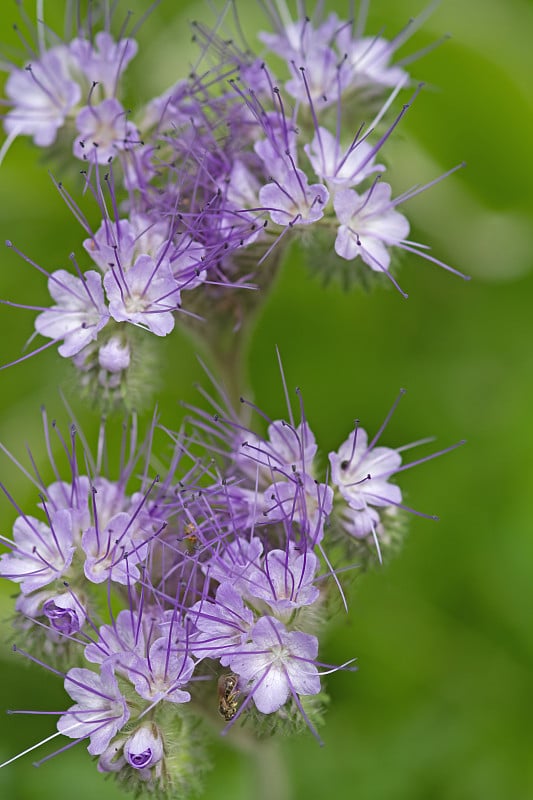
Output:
(242, 188)
(160, 675)
(125, 635)
(103, 132)
(279, 151)
(40, 553)
(238, 563)
(294, 39)
(278, 486)
(117, 542)
(103, 60)
(118, 244)
(361, 473)
(186, 262)
(43, 95)
(369, 225)
(73, 496)
(220, 626)
(145, 295)
(110, 498)
(286, 449)
(302, 500)
(80, 313)
(293, 201)
(277, 663)
(287, 580)
(327, 61)
(307, 48)
(320, 78)
(100, 710)
(339, 167)
(167, 110)
(368, 59)
(110, 552)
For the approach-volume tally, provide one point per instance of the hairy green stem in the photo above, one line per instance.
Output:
(271, 780)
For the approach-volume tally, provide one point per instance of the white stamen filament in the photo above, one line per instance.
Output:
(8, 142)
(35, 746)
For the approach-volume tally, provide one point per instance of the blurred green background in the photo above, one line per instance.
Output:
(441, 706)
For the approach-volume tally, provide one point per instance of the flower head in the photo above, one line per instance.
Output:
(79, 314)
(103, 131)
(102, 61)
(369, 226)
(361, 473)
(41, 553)
(145, 748)
(100, 710)
(42, 95)
(276, 663)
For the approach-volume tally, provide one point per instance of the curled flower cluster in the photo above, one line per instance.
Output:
(197, 596)
(221, 571)
(206, 188)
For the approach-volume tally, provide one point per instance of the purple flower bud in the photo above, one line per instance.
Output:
(112, 760)
(144, 748)
(65, 613)
(114, 355)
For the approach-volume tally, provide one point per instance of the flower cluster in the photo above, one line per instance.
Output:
(205, 189)
(196, 595)
(221, 572)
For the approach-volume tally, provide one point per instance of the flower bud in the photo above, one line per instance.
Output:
(114, 355)
(64, 613)
(144, 748)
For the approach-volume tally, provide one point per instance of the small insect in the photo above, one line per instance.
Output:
(228, 694)
(190, 538)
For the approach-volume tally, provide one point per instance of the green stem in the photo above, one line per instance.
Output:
(271, 780)
(228, 324)
(232, 365)
(269, 769)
